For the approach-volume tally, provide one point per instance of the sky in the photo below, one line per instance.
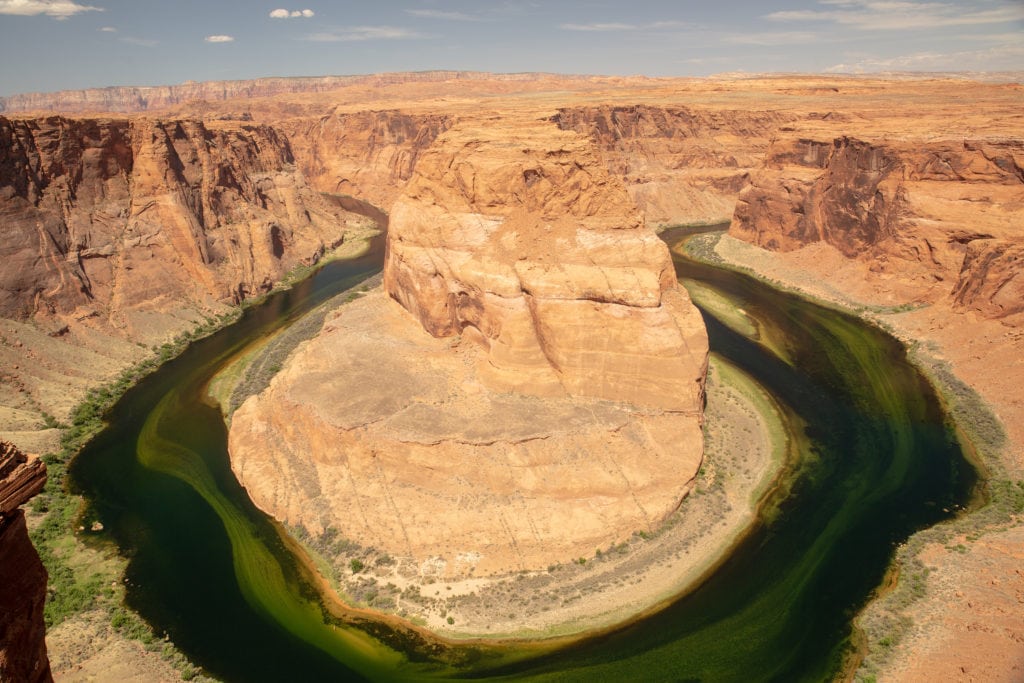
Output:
(50, 45)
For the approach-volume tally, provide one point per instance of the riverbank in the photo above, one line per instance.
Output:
(955, 610)
(90, 632)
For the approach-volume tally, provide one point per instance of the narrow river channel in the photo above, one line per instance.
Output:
(876, 460)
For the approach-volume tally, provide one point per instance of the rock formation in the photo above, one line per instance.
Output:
(22, 575)
(553, 408)
(680, 164)
(113, 216)
(117, 234)
(528, 246)
(991, 280)
(913, 181)
(132, 99)
(939, 214)
(366, 154)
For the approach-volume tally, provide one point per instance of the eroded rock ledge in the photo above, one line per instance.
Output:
(22, 575)
(542, 400)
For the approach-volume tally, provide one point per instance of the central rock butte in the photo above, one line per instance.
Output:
(536, 395)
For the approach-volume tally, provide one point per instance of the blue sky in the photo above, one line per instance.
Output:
(57, 44)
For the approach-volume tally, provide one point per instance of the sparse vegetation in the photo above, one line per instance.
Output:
(82, 578)
(887, 622)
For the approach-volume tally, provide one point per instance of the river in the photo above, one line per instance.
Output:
(876, 461)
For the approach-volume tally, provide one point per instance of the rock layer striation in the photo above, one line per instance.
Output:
(540, 395)
(117, 234)
(529, 247)
(943, 217)
(117, 215)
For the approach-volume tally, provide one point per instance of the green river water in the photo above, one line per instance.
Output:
(875, 461)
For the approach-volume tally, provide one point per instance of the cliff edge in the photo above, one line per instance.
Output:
(22, 575)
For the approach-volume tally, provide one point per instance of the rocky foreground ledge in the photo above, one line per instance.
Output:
(22, 576)
(530, 390)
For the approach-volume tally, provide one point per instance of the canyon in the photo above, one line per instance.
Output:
(522, 214)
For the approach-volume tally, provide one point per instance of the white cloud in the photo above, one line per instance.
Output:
(878, 15)
(291, 14)
(59, 9)
(439, 14)
(661, 25)
(360, 33)
(109, 29)
(219, 39)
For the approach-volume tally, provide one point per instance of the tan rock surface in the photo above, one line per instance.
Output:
(522, 241)
(672, 169)
(907, 207)
(110, 216)
(680, 164)
(562, 415)
(386, 434)
(366, 154)
(118, 234)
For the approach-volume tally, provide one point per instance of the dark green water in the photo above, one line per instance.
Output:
(877, 462)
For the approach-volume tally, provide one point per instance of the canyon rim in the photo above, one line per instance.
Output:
(523, 278)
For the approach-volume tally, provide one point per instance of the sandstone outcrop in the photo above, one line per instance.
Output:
(117, 234)
(528, 246)
(366, 154)
(991, 280)
(115, 216)
(22, 575)
(680, 164)
(904, 188)
(539, 397)
(938, 215)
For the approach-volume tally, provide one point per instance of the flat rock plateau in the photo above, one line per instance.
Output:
(522, 215)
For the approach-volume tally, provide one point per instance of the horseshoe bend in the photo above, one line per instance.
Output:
(526, 388)
(524, 427)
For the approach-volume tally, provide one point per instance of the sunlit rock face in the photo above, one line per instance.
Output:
(941, 217)
(114, 217)
(527, 389)
(523, 242)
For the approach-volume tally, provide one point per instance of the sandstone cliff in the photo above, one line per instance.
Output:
(132, 99)
(680, 164)
(942, 216)
(366, 154)
(527, 245)
(120, 233)
(22, 575)
(113, 215)
(544, 397)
